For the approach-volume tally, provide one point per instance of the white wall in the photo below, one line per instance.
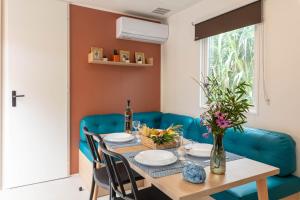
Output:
(282, 65)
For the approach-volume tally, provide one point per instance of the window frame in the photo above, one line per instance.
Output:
(258, 62)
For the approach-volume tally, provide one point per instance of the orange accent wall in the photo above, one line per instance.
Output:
(100, 89)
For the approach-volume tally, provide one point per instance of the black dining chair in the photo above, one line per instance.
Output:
(100, 175)
(117, 189)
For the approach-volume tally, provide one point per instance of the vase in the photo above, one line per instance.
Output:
(218, 156)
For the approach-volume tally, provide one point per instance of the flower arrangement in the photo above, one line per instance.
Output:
(226, 107)
(161, 136)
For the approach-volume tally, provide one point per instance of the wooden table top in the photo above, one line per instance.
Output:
(238, 172)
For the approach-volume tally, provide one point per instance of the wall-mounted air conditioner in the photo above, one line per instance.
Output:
(141, 30)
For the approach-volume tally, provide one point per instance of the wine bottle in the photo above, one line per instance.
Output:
(128, 118)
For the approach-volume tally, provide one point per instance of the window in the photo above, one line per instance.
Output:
(233, 57)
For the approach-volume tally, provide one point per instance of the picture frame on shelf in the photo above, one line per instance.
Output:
(139, 57)
(124, 56)
(97, 53)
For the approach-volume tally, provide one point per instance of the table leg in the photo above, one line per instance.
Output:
(96, 192)
(262, 189)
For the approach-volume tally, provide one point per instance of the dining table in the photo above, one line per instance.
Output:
(238, 172)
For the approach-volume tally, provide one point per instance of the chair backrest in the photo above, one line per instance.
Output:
(111, 159)
(90, 137)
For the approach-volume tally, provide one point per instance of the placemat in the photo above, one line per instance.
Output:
(177, 167)
(114, 145)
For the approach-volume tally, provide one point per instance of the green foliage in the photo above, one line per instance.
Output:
(231, 58)
(231, 102)
(166, 136)
(162, 139)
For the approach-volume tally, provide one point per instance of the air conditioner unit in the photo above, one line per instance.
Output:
(141, 30)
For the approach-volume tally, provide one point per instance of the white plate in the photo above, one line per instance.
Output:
(118, 137)
(155, 158)
(198, 149)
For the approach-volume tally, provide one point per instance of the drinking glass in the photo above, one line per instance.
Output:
(180, 138)
(136, 126)
(180, 146)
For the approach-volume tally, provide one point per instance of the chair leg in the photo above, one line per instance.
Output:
(92, 189)
(112, 193)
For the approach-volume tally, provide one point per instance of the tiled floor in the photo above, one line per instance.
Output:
(64, 189)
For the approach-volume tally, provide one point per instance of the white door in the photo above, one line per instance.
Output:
(35, 131)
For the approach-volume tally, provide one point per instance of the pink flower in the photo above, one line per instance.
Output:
(218, 114)
(209, 129)
(201, 122)
(205, 135)
(221, 118)
(223, 123)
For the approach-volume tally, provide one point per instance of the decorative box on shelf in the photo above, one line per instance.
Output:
(91, 60)
(148, 142)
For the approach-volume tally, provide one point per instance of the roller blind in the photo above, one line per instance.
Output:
(241, 17)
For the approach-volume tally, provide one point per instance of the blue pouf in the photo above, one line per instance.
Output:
(193, 172)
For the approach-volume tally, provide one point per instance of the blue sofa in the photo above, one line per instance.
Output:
(273, 148)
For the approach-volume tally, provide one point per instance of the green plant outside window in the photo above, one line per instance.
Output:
(231, 58)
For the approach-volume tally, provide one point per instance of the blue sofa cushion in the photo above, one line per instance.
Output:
(273, 148)
(151, 119)
(279, 187)
(84, 148)
(169, 119)
(270, 147)
(196, 130)
(110, 123)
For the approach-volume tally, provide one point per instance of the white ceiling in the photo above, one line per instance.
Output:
(142, 8)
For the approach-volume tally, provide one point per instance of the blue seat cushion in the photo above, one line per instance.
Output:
(270, 147)
(110, 123)
(168, 119)
(279, 187)
(84, 148)
(151, 119)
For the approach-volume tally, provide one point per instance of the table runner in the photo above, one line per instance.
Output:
(177, 167)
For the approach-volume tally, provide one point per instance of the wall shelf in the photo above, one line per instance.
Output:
(91, 61)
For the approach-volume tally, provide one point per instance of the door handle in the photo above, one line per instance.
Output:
(14, 97)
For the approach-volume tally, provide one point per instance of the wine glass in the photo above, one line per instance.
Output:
(136, 126)
(180, 147)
